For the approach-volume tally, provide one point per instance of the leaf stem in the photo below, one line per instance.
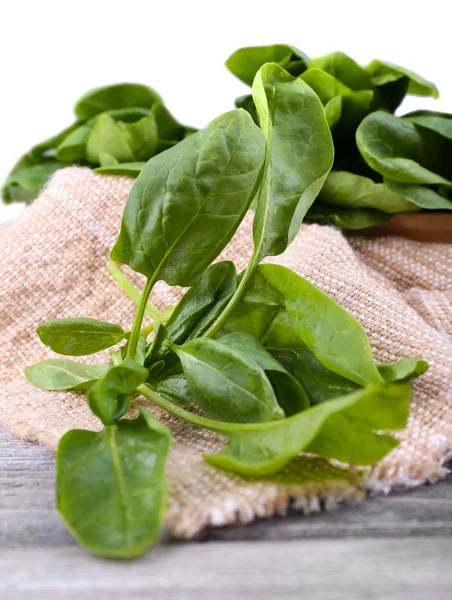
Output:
(131, 291)
(219, 426)
(138, 320)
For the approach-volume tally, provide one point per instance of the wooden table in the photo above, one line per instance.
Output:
(396, 548)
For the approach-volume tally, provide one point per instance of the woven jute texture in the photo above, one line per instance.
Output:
(53, 261)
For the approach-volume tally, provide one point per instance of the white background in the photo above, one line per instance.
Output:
(53, 51)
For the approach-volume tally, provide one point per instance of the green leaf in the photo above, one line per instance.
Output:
(154, 348)
(111, 488)
(320, 383)
(227, 384)
(347, 218)
(132, 169)
(344, 429)
(247, 103)
(299, 157)
(202, 303)
(419, 195)
(382, 73)
(289, 391)
(349, 106)
(79, 336)
(333, 111)
(331, 333)
(348, 190)
(441, 123)
(117, 96)
(335, 338)
(25, 184)
(127, 142)
(175, 388)
(168, 128)
(73, 147)
(400, 151)
(109, 397)
(56, 374)
(246, 62)
(343, 68)
(187, 202)
(403, 370)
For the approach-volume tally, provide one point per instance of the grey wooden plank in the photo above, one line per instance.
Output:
(28, 517)
(363, 569)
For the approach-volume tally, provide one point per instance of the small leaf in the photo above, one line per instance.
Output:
(403, 370)
(132, 169)
(73, 147)
(56, 374)
(289, 391)
(79, 336)
(246, 62)
(126, 142)
(109, 397)
(111, 488)
(227, 384)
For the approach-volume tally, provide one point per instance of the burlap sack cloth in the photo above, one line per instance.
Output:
(53, 265)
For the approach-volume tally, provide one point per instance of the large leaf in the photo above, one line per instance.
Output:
(383, 73)
(348, 190)
(335, 338)
(227, 384)
(117, 96)
(439, 122)
(111, 488)
(346, 218)
(79, 336)
(344, 429)
(400, 151)
(56, 374)
(73, 147)
(187, 202)
(246, 62)
(109, 397)
(419, 195)
(299, 156)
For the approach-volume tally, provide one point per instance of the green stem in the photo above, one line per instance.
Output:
(129, 289)
(136, 327)
(186, 415)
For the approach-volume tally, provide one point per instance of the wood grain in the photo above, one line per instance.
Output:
(396, 547)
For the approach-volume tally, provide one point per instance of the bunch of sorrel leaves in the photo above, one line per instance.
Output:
(383, 164)
(275, 365)
(118, 128)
